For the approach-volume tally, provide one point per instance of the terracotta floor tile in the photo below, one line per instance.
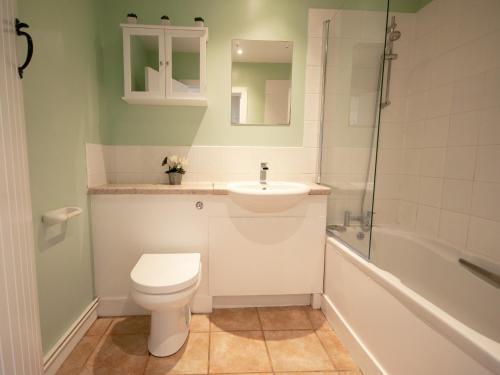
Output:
(235, 320)
(119, 354)
(238, 352)
(130, 325)
(336, 351)
(318, 320)
(79, 356)
(191, 359)
(297, 351)
(284, 318)
(200, 323)
(99, 327)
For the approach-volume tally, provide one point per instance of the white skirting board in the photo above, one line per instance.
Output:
(357, 349)
(123, 306)
(203, 304)
(261, 301)
(62, 349)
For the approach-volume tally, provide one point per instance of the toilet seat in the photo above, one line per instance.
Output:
(165, 273)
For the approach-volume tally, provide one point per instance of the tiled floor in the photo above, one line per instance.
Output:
(228, 341)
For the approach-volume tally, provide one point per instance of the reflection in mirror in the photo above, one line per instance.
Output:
(185, 65)
(365, 81)
(144, 56)
(261, 82)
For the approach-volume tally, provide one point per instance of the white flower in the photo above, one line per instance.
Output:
(183, 162)
(173, 161)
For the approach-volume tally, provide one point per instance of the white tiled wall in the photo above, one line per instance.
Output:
(449, 172)
(142, 164)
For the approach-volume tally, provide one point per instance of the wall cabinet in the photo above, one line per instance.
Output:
(164, 65)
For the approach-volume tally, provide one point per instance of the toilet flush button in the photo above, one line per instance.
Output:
(199, 205)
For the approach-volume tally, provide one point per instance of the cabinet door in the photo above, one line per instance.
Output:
(186, 63)
(144, 62)
(247, 258)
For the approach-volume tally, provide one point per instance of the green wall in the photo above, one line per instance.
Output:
(185, 65)
(253, 76)
(227, 20)
(62, 112)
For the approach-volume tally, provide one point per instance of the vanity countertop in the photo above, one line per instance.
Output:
(186, 188)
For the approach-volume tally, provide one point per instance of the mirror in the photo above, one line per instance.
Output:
(144, 63)
(185, 65)
(261, 77)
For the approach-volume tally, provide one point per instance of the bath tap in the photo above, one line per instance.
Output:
(263, 173)
(364, 220)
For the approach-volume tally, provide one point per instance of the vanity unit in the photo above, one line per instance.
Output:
(248, 257)
(165, 65)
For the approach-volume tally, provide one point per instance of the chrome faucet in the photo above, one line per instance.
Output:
(364, 220)
(263, 173)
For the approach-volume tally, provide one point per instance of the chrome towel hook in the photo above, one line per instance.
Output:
(19, 26)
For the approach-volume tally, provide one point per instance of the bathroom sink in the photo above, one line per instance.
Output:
(273, 196)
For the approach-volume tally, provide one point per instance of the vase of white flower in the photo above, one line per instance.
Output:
(176, 167)
(175, 178)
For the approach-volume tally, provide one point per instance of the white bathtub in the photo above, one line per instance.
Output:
(388, 324)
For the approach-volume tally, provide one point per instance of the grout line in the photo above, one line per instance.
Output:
(265, 341)
(324, 348)
(102, 338)
(209, 340)
(148, 357)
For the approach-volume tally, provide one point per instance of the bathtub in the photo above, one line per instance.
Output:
(387, 323)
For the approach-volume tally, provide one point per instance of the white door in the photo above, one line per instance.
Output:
(20, 343)
(277, 102)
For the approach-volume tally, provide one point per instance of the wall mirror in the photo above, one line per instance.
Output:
(261, 82)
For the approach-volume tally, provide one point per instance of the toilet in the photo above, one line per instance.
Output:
(165, 284)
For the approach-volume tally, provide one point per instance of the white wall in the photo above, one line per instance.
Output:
(440, 144)
(20, 338)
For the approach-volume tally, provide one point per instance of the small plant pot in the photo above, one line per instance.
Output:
(175, 178)
(132, 18)
(199, 22)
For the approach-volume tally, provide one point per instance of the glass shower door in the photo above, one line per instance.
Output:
(353, 70)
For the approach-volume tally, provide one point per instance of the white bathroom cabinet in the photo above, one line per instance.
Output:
(243, 254)
(164, 65)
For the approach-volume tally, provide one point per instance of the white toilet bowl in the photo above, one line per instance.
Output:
(165, 284)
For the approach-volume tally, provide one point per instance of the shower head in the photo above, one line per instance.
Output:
(394, 35)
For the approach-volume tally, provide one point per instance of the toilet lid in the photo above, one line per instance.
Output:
(165, 273)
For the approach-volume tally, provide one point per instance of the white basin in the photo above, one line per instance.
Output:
(272, 197)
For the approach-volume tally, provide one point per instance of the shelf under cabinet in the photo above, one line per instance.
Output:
(194, 102)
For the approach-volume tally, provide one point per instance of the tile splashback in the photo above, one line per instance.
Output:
(142, 164)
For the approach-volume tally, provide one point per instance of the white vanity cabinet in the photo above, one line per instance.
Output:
(164, 65)
(245, 255)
